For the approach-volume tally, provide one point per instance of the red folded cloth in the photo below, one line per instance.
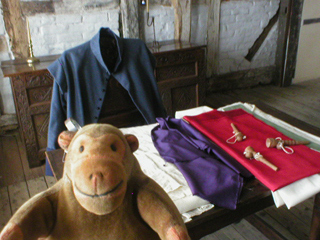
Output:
(216, 126)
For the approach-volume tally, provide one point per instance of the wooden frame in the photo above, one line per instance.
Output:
(288, 39)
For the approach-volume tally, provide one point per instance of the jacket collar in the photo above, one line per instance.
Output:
(95, 48)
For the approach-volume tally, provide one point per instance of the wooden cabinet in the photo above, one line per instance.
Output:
(180, 73)
(32, 90)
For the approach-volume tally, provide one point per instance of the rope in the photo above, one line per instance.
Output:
(234, 136)
(257, 155)
(284, 148)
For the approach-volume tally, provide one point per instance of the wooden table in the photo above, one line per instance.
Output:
(254, 197)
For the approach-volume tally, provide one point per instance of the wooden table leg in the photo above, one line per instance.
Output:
(315, 224)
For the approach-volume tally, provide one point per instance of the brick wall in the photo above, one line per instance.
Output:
(240, 24)
(53, 34)
(164, 30)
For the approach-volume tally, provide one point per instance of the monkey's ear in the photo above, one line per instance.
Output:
(65, 138)
(132, 141)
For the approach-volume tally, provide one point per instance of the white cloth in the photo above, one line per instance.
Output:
(166, 174)
(192, 111)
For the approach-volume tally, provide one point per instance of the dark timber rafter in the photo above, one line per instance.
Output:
(15, 24)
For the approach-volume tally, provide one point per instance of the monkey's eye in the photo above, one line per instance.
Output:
(81, 149)
(113, 147)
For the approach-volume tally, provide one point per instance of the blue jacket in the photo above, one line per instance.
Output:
(81, 77)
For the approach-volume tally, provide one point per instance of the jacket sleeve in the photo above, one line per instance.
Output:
(58, 105)
(57, 117)
(56, 122)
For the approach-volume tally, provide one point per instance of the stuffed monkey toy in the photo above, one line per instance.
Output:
(103, 195)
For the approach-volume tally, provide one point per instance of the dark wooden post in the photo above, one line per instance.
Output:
(130, 18)
(182, 19)
(16, 27)
(213, 28)
(315, 224)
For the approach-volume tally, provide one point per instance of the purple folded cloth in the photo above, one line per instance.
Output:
(210, 172)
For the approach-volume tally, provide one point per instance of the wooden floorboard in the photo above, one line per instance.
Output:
(266, 228)
(14, 168)
(229, 232)
(50, 181)
(293, 224)
(11, 170)
(36, 185)
(244, 228)
(274, 228)
(18, 194)
(30, 173)
(5, 208)
(299, 100)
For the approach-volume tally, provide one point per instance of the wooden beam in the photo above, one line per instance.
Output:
(15, 25)
(258, 43)
(315, 224)
(130, 18)
(182, 19)
(36, 7)
(290, 18)
(213, 37)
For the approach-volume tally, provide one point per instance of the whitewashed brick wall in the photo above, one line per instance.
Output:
(163, 22)
(53, 34)
(241, 23)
